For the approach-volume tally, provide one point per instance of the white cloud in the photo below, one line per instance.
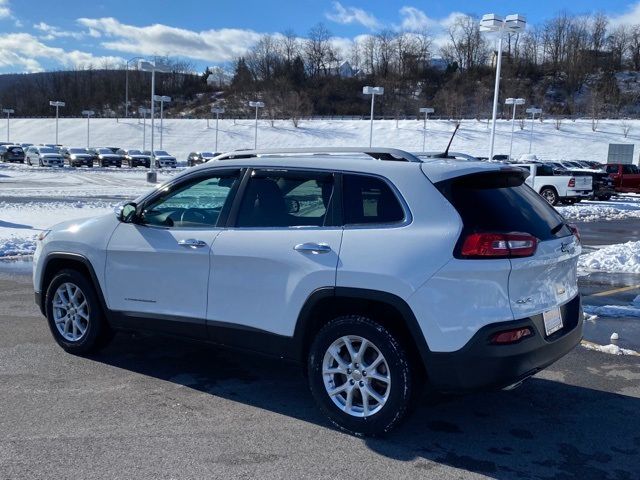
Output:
(630, 17)
(210, 45)
(50, 32)
(5, 11)
(414, 19)
(26, 51)
(349, 15)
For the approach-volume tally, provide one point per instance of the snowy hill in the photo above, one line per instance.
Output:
(574, 140)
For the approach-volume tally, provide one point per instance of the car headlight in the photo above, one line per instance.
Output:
(73, 157)
(43, 234)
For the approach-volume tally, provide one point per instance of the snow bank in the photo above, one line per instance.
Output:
(617, 258)
(610, 349)
(615, 209)
(612, 310)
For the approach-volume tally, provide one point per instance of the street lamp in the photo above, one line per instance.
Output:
(88, 114)
(8, 111)
(494, 23)
(373, 91)
(143, 111)
(217, 111)
(532, 111)
(257, 105)
(161, 99)
(56, 104)
(153, 67)
(126, 86)
(426, 111)
(515, 102)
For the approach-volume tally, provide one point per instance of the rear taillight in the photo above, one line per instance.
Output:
(503, 245)
(572, 182)
(574, 230)
(511, 336)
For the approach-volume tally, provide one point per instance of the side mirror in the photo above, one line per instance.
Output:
(127, 213)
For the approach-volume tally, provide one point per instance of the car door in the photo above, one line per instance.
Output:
(282, 245)
(158, 265)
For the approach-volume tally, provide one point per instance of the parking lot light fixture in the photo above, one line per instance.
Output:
(373, 91)
(532, 111)
(494, 23)
(56, 104)
(426, 111)
(217, 111)
(143, 111)
(8, 111)
(515, 102)
(162, 99)
(88, 114)
(256, 105)
(153, 67)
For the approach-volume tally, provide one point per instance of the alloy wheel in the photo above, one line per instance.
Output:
(71, 312)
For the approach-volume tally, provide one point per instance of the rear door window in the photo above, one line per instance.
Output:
(369, 200)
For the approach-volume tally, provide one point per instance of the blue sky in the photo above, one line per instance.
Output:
(45, 34)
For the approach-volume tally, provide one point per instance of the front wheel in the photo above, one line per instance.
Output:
(360, 375)
(550, 195)
(74, 314)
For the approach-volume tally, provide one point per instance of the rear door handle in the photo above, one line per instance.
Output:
(311, 247)
(192, 243)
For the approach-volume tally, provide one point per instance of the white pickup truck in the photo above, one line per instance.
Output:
(557, 188)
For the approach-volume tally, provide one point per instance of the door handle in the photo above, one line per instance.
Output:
(311, 247)
(192, 243)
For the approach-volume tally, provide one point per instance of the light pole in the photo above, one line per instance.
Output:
(257, 105)
(8, 111)
(373, 91)
(494, 23)
(515, 102)
(126, 86)
(217, 111)
(143, 111)
(56, 104)
(426, 111)
(162, 99)
(153, 67)
(88, 114)
(532, 111)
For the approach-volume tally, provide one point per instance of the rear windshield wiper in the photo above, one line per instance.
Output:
(557, 228)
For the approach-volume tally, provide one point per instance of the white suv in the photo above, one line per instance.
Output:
(380, 272)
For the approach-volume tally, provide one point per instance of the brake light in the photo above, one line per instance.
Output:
(572, 182)
(574, 230)
(511, 336)
(504, 245)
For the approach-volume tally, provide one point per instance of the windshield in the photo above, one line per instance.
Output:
(104, 151)
(77, 150)
(134, 152)
(47, 150)
(207, 154)
(161, 152)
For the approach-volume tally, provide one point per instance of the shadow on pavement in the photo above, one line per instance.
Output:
(544, 429)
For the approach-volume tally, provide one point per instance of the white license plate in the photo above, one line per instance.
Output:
(552, 321)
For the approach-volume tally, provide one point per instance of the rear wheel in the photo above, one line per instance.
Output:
(360, 375)
(74, 314)
(550, 195)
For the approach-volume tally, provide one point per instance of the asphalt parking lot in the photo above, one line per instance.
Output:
(151, 407)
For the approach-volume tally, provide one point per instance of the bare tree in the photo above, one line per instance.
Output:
(318, 50)
(626, 126)
(466, 45)
(618, 41)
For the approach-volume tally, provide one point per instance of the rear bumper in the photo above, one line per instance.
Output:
(480, 365)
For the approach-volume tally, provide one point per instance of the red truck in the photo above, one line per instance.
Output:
(626, 177)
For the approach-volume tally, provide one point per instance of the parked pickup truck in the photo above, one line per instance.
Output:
(556, 188)
(626, 177)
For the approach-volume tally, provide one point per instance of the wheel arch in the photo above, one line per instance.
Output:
(391, 311)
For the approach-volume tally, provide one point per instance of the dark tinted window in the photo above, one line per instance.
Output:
(286, 200)
(611, 169)
(369, 200)
(501, 202)
(544, 171)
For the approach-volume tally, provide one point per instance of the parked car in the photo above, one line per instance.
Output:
(501, 158)
(106, 158)
(53, 146)
(77, 156)
(196, 158)
(603, 187)
(590, 164)
(163, 159)
(555, 188)
(477, 287)
(25, 145)
(12, 153)
(113, 149)
(626, 177)
(135, 158)
(43, 157)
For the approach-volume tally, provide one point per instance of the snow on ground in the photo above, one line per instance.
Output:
(617, 208)
(574, 140)
(619, 311)
(610, 349)
(617, 258)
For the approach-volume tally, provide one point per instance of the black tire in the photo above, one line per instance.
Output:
(604, 198)
(550, 195)
(401, 387)
(40, 162)
(90, 165)
(97, 334)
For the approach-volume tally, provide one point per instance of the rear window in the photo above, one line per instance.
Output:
(15, 149)
(502, 202)
(544, 171)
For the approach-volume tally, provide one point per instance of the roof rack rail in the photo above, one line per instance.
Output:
(392, 154)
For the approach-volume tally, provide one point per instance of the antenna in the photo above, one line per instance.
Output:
(446, 152)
